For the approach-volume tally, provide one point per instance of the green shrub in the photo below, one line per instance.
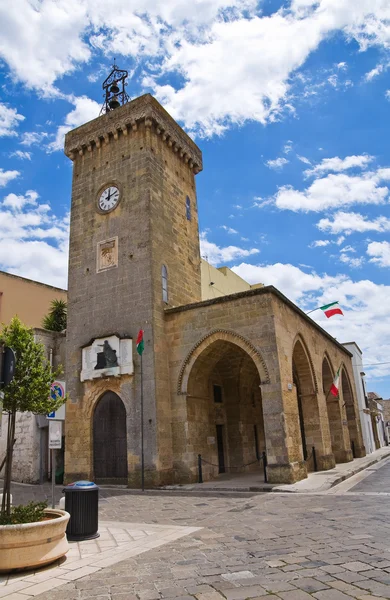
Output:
(32, 512)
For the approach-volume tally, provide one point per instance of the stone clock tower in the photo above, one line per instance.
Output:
(134, 251)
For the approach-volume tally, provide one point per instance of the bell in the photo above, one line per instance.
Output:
(114, 88)
(114, 103)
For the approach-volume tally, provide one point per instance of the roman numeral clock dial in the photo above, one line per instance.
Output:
(108, 199)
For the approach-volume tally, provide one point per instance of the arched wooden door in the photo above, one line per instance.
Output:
(109, 440)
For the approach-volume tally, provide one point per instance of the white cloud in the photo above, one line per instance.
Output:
(277, 163)
(340, 240)
(9, 120)
(21, 155)
(348, 222)
(85, 110)
(334, 191)
(229, 229)
(375, 72)
(43, 41)
(217, 255)
(364, 303)
(353, 262)
(33, 241)
(18, 202)
(288, 147)
(303, 159)
(33, 138)
(319, 243)
(380, 253)
(338, 165)
(7, 176)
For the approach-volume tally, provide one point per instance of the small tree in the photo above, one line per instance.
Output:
(55, 320)
(29, 391)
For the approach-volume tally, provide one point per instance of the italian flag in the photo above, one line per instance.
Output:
(331, 309)
(140, 342)
(335, 385)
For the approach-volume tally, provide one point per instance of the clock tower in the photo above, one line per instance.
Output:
(134, 251)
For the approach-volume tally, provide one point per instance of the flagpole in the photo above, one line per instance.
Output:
(142, 433)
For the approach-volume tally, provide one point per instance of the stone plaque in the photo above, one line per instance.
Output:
(107, 254)
(105, 357)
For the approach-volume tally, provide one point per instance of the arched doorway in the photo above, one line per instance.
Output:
(224, 409)
(334, 413)
(110, 440)
(308, 413)
(351, 413)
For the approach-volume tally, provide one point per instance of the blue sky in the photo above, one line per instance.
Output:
(289, 102)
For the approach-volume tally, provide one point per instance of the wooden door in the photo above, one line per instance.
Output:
(109, 440)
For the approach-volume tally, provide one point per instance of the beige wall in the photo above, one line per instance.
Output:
(28, 299)
(222, 282)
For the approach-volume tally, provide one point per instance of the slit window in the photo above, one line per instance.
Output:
(164, 282)
(217, 390)
(188, 209)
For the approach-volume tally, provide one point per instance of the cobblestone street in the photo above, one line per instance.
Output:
(292, 547)
(283, 546)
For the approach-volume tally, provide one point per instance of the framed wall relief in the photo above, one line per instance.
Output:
(107, 254)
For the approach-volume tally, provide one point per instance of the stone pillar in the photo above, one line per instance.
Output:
(281, 426)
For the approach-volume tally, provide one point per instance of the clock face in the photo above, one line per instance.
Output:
(108, 199)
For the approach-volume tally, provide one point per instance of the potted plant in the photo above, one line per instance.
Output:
(32, 535)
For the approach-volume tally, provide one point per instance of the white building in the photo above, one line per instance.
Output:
(364, 409)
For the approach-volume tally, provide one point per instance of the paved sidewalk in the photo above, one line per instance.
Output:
(117, 542)
(325, 480)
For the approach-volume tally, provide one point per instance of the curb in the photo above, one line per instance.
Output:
(336, 481)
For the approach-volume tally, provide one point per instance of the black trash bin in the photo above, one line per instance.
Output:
(81, 502)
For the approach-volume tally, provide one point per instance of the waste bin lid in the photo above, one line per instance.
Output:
(82, 486)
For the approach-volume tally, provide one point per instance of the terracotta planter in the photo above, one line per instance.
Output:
(33, 545)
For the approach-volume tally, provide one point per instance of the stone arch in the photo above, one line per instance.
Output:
(210, 338)
(350, 409)
(299, 338)
(334, 412)
(305, 421)
(223, 408)
(109, 439)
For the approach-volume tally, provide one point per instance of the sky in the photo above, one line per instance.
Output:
(289, 101)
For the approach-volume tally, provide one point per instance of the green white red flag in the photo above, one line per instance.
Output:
(332, 309)
(140, 342)
(335, 385)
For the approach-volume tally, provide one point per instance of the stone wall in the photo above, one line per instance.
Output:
(27, 450)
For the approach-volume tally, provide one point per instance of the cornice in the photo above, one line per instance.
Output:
(143, 111)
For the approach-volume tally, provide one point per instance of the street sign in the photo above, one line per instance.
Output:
(9, 362)
(57, 391)
(55, 435)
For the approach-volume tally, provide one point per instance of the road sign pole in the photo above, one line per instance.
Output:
(53, 477)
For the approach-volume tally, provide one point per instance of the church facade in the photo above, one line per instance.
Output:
(226, 378)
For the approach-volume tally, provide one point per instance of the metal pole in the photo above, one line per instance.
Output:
(265, 467)
(142, 433)
(200, 474)
(314, 459)
(53, 478)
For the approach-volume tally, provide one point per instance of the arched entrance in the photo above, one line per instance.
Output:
(334, 413)
(351, 413)
(110, 440)
(308, 413)
(224, 409)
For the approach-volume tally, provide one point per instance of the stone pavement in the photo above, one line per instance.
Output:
(330, 546)
(274, 546)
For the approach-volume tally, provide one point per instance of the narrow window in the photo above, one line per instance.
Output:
(217, 394)
(164, 280)
(188, 209)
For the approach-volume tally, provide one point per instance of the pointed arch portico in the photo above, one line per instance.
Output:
(339, 436)
(206, 341)
(220, 379)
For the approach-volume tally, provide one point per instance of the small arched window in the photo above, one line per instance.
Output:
(164, 281)
(188, 209)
